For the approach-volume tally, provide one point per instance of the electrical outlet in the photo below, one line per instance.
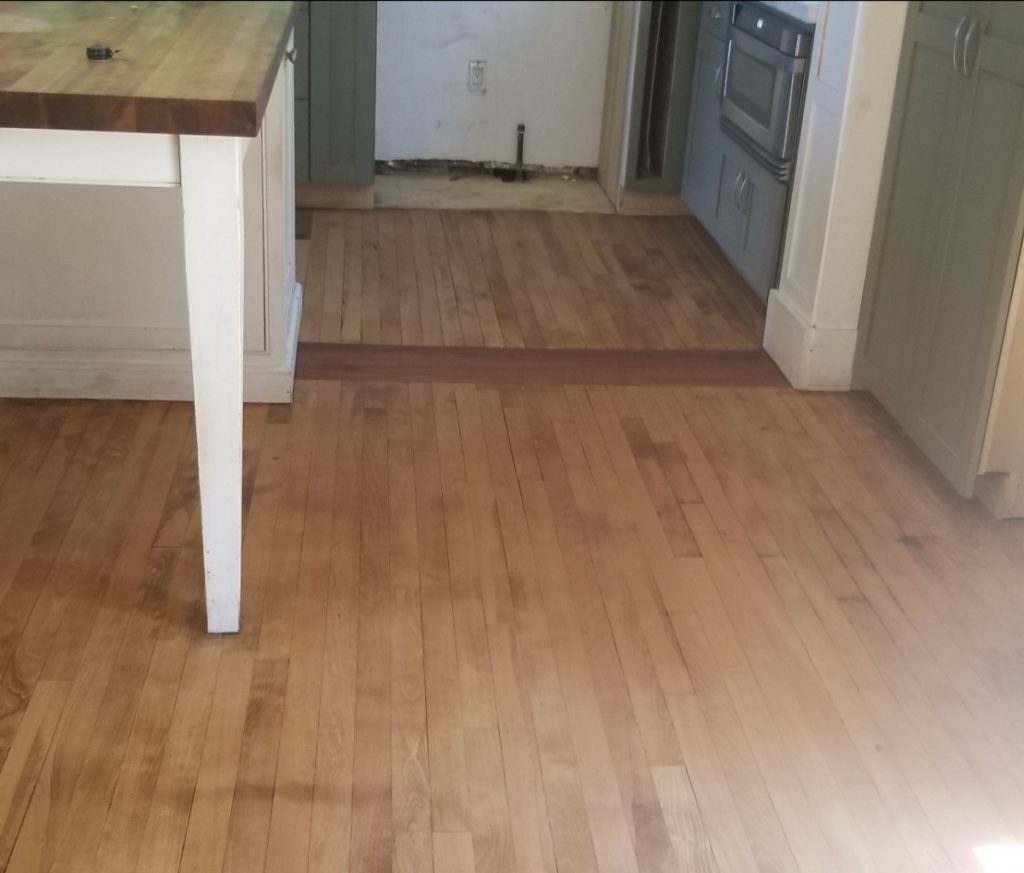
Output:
(477, 75)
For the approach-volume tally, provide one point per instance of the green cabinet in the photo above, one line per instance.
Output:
(739, 201)
(335, 91)
(702, 168)
(948, 229)
(302, 92)
(749, 216)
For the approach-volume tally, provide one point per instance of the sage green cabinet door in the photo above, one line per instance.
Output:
(302, 51)
(301, 140)
(302, 92)
(702, 169)
(750, 213)
(342, 91)
(965, 312)
(948, 228)
(916, 200)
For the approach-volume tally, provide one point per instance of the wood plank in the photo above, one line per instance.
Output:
(207, 833)
(411, 774)
(249, 823)
(330, 830)
(372, 828)
(291, 815)
(25, 760)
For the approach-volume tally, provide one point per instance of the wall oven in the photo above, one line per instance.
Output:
(763, 88)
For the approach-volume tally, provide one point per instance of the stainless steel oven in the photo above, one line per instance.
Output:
(765, 67)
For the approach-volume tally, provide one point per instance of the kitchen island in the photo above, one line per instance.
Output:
(189, 90)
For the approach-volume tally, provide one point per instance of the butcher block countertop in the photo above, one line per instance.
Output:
(181, 68)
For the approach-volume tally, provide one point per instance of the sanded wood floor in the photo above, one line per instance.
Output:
(514, 630)
(519, 280)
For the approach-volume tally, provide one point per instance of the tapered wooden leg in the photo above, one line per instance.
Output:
(211, 187)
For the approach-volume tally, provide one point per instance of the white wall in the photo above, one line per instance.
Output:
(546, 65)
(811, 327)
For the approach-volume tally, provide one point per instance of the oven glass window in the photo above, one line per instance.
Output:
(751, 85)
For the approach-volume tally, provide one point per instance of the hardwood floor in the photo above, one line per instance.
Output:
(520, 280)
(511, 629)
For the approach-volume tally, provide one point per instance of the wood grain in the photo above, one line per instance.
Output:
(522, 279)
(507, 628)
(183, 68)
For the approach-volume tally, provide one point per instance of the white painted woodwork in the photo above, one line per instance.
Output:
(811, 325)
(1001, 473)
(618, 94)
(211, 189)
(1003, 451)
(85, 157)
(92, 293)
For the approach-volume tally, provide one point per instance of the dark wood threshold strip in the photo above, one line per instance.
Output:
(349, 362)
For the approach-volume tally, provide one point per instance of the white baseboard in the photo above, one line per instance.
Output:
(1001, 493)
(812, 359)
(141, 374)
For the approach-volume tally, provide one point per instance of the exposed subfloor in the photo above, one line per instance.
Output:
(438, 190)
(506, 629)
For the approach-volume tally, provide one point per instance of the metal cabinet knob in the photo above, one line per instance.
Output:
(292, 54)
(715, 13)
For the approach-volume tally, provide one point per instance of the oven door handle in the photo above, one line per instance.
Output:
(725, 70)
(746, 44)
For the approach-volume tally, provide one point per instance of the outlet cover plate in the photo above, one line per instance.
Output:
(477, 75)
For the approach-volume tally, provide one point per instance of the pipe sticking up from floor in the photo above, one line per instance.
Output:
(520, 137)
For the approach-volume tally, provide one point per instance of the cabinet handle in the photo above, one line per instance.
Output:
(964, 61)
(292, 54)
(715, 13)
(737, 187)
(725, 70)
(718, 81)
(744, 194)
(956, 43)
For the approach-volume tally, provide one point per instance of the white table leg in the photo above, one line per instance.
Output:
(211, 187)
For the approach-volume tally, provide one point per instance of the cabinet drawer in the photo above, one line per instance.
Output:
(714, 18)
